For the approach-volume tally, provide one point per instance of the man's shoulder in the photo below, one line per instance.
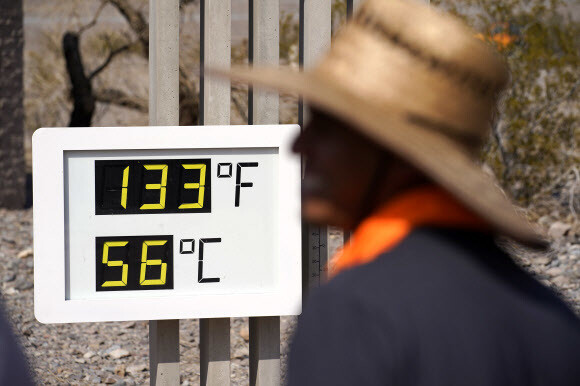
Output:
(443, 271)
(438, 256)
(441, 293)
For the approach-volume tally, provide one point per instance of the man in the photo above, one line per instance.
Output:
(422, 295)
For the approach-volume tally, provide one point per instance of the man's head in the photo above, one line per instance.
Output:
(389, 74)
(347, 174)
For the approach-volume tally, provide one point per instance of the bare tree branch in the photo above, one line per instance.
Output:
(497, 131)
(93, 22)
(135, 18)
(83, 99)
(109, 58)
(120, 98)
(136, 22)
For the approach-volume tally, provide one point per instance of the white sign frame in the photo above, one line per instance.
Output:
(49, 146)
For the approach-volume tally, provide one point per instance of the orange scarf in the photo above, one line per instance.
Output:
(390, 224)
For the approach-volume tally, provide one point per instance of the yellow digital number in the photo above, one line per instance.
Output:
(124, 187)
(196, 185)
(115, 263)
(145, 262)
(161, 187)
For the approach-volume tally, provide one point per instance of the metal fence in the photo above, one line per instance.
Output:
(263, 108)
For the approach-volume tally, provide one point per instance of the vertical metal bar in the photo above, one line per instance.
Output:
(315, 34)
(215, 52)
(164, 352)
(164, 63)
(263, 108)
(214, 345)
(164, 111)
(264, 49)
(214, 109)
(265, 351)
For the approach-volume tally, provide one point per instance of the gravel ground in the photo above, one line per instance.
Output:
(117, 352)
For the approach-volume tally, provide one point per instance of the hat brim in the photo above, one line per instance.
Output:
(436, 155)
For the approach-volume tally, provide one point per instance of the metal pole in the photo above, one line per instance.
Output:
(214, 355)
(315, 34)
(164, 111)
(265, 351)
(263, 108)
(214, 109)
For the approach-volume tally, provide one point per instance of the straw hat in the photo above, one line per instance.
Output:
(417, 82)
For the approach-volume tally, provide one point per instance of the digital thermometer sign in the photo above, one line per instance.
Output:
(152, 186)
(166, 223)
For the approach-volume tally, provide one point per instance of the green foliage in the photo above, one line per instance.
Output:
(534, 149)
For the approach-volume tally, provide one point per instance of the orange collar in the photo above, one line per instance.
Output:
(390, 224)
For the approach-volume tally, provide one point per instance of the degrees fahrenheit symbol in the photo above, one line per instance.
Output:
(240, 184)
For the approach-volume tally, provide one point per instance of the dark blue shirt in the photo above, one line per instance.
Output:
(445, 307)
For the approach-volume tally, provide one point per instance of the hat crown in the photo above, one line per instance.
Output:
(439, 39)
(427, 67)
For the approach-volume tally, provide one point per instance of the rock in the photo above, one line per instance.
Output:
(138, 368)
(542, 260)
(558, 230)
(25, 253)
(80, 360)
(120, 383)
(120, 370)
(545, 220)
(11, 291)
(561, 282)
(23, 285)
(240, 353)
(89, 355)
(128, 325)
(119, 353)
(245, 333)
(9, 277)
(110, 380)
(112, 348)
(556, 271)
(74, 377)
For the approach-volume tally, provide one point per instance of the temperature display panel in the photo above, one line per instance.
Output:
(147, 223)
(153, 186)
(171, 222)
(134, 263)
